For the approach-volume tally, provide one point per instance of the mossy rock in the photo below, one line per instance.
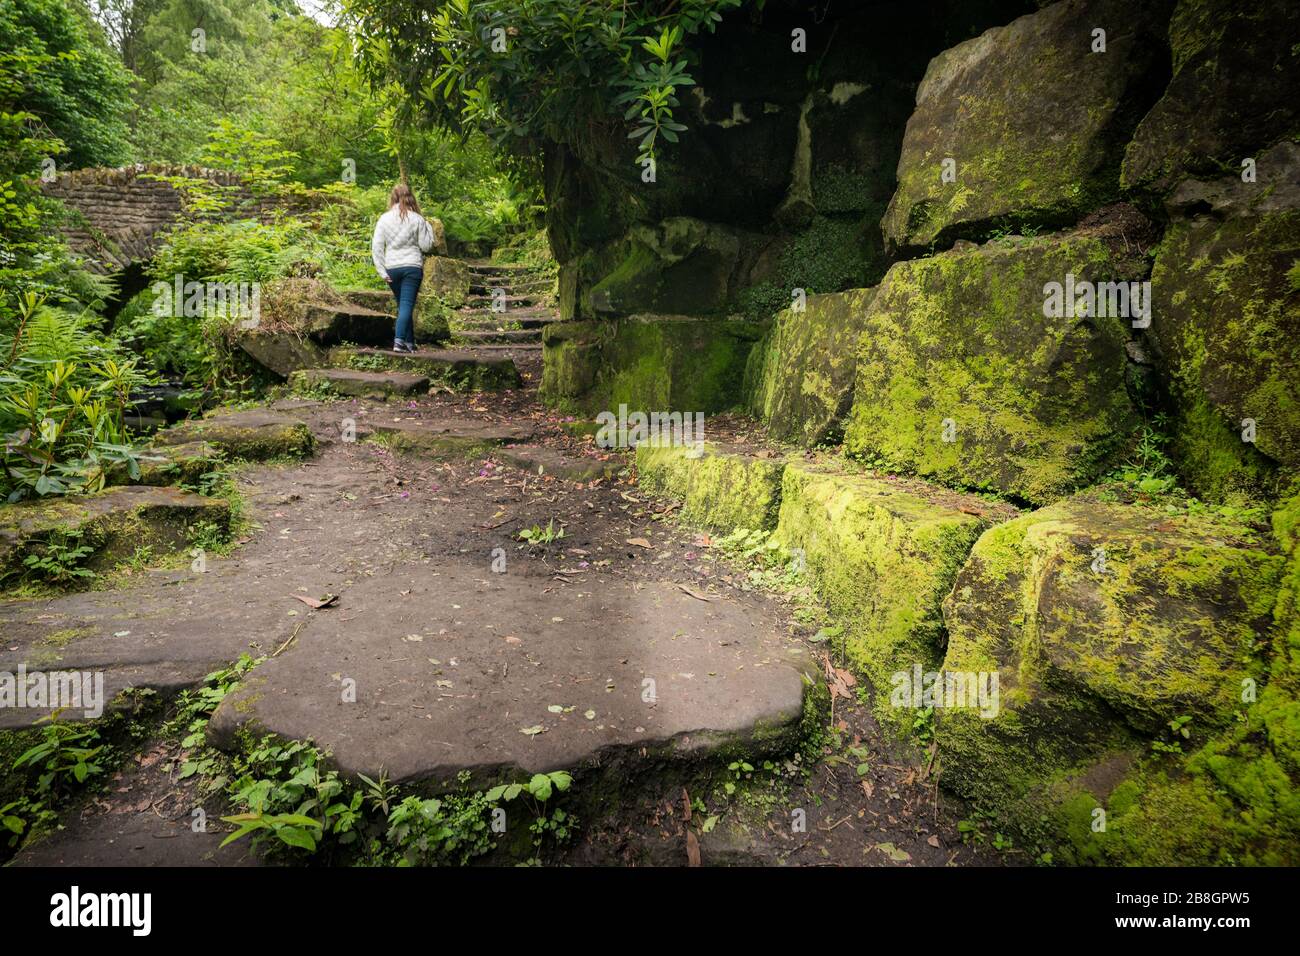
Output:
(1104, 622)
(1227, 325)
(722, 486)
(1233, 799)
(280, 353)
(113, 524)
(1228, 98)
(254, 435)
(446, 278)
(800, 377)
(962, 379)
(458, 370)
(1035, 121)
(184, 464)
(649, 363)
(883, 553)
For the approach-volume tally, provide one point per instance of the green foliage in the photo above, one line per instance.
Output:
(67, 754)
(59, 561)
(64, 391)
(549, 67)
(71, 81)
(539, 535)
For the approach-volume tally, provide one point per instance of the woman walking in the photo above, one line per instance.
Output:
(402, 239)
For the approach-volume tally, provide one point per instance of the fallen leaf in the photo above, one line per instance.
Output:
(640, 543)
(328, 600)
(692, 849)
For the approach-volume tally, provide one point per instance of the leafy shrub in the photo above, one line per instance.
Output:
(64, 392)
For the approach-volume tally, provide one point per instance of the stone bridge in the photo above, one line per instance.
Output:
(123, 213)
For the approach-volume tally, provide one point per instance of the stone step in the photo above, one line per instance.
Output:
(113, 524)
(458, 369)
(543, 461)
(509, 301)
(358, 383)
(377, 300)
(170, 465)
(446, 437)
(493, 337)
(727, 679)
(539, 286)
(522, 316)
(254, 435)
(496, 268)
(334, 325)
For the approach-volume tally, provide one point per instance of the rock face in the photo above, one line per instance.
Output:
(778, 186)
(1033, 121)
(800, 377)
(722, 486)
(884, 552)
(1227, 325)
(649, 363)
(1227, 99)
(1104, 622)
(962, 378)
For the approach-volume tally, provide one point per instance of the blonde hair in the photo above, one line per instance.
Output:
(403, 199)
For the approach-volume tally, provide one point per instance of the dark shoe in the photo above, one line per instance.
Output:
(400, 347)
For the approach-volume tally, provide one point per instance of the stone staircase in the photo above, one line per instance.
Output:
(507, 307)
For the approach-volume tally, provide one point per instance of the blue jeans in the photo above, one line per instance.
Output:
(406, 286)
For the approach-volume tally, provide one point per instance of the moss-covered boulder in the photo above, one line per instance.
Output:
(459, 370)
(447, 437)
(961, 377)
(113, 525)
(1227, 325)
(883, 552)
(1228, 98)
(800, 377)
(1108, 625)
(448, 279)
(254, 435)
(649, 363)
(280, 353)
(1032, 119)
(721, 485)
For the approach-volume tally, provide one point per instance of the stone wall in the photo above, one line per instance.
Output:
(119, 215)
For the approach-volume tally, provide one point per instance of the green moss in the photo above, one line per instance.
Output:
(1227, 323)
(962, 379)
(1094, 664)
(649, 364)
(883, 554)
(720, 488)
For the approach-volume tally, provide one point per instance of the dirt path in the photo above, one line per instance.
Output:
(455, 663)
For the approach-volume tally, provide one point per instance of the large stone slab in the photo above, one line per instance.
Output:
(446, 436)
(361, 384)
(800, 377)
(1228, 98)
(256, 434)
(460, 370)
(183, 464)
(649, 363)
(884, 553)
(963, 379)
(549, 462)
(1031, 118)
(434, 698)
(721, 485)
(1227, 329)
(1103, 622)
(113, 524)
